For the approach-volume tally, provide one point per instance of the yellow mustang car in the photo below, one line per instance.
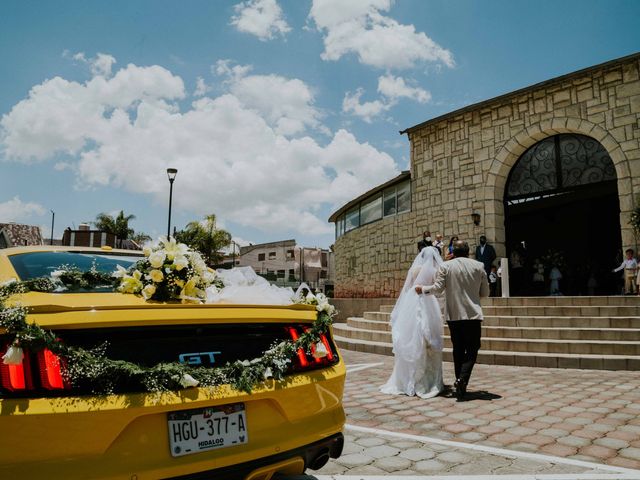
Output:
(51, 430)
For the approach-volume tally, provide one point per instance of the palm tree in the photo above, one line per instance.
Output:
(206, 238)
(118, 226)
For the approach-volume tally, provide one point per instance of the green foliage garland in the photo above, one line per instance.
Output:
(91, 369)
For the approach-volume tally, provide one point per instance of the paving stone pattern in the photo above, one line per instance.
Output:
(378, 455)
(588, 415)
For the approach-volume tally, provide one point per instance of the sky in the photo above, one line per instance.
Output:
(274, 112)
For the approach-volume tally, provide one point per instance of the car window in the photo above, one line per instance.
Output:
(40, 264)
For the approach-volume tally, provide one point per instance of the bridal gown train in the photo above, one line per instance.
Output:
(417, 330)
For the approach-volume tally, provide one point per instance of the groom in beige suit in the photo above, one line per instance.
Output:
(465, 282)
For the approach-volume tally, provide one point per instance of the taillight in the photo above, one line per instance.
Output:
(302, 357)
(304, 361)
(327, 345)
(51, 366)
(15, 378)
(47, 372)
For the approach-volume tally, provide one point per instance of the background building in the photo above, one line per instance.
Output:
(18, 235)
(85, 237)
(288, 264)
(550, 172)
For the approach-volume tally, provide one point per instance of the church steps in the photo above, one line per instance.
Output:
(562, 322)
(558, 332)
(573, 311)
(554, 332)
(532, 345)
(358, 322)
(573, 321)
(526, 359)
(620, 301)
(614, 301)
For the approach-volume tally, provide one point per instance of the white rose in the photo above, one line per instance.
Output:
(148, 291)
(146, 251)
(181, 262)
(320, 350)
(156, 259)
(13, 356)
(188, 381)
(198, 263)
(156, 275)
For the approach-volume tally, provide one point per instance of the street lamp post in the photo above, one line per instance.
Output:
(171, 173)
(53, 218)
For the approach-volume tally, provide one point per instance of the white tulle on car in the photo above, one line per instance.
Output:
(417, 330)
(245, 287)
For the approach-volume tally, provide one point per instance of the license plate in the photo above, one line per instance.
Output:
(202, 429)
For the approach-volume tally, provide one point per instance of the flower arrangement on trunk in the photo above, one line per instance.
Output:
(170, 271)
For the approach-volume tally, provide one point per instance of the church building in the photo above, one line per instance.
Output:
(549, 173)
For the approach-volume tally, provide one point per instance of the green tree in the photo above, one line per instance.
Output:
(118, 226)
(206, 238)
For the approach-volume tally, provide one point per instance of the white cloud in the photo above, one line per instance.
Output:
(262, 18)
(367, 110)
(16, 210)
(201, 88)
(286, 104)
(396, 87)
(358, 27)
(226, 68)
(230, 151)
(391, 89)
(62, 116)
(100, 65)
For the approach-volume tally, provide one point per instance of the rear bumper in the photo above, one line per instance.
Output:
(120, 438)
(308, 456)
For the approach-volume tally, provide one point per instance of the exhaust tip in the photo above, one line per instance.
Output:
(320, 461)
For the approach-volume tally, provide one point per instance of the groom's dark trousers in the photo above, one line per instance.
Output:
(465, 337)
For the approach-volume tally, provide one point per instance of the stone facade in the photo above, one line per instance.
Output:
(460, 163)
(19, 235)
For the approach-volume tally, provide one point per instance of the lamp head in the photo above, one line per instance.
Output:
(171, 173)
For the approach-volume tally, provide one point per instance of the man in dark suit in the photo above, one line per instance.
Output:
(425, 242)
(486, 254)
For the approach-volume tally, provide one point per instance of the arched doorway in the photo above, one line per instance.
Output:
(561, 207)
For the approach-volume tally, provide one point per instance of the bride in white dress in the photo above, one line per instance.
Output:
(417, 329)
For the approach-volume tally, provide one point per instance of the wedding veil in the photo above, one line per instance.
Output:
(416, 319)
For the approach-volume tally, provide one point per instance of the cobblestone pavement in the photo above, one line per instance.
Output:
(516, 420)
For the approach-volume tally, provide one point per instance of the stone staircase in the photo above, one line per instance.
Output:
(600, 333)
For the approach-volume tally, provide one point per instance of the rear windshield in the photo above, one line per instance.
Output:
(40, 264)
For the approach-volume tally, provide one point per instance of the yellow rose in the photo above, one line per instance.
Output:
(148, 291)
(156, 275)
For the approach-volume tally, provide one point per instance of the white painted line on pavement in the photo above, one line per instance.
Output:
(539, 476)
(495, 451)
(362, 366)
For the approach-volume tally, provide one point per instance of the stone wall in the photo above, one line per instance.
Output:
(460, 163)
